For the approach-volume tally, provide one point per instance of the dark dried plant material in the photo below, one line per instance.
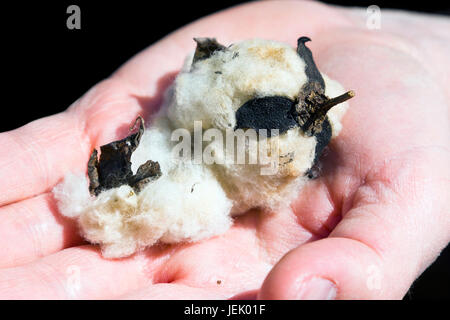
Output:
(313, 104)
(205, 48)
(323, 138)
(147, 172)
(315, 171)
(113, 169)
(273, 112)
(312, 72)
(94, 184)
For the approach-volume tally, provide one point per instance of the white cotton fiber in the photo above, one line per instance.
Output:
(186, 204)
(72, 195)
(192, 199)
(156, 143)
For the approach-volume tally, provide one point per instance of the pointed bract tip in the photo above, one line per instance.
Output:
(303, 40)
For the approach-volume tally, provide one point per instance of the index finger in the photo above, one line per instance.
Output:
(32, 154)
(36, 156)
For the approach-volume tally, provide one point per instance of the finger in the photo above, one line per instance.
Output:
(33, 228)
(34, 156)
(173, 291)
(39, 154)
(80, 273)
(317, 271)
(382, 244)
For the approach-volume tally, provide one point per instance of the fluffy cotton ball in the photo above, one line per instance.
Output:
(191, 201)
(186, 204)
(72, 195)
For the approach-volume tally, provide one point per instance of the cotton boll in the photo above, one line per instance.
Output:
(187, 204)
(253, 84)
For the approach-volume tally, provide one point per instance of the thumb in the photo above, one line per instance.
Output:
(330, 268)
(377, 250)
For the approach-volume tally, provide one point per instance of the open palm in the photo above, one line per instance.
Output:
(366, 228)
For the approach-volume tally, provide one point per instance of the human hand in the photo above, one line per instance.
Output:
(372, 222)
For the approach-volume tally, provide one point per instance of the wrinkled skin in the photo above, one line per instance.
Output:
(371, 224)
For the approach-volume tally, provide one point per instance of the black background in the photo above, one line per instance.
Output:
(46, 67)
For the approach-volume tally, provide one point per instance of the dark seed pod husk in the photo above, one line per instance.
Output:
(268, 113)
(113, 169)
(313, 104)
(312, 73)
(205, 48)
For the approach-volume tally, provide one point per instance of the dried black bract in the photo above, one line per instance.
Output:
(313, 104)
(314, 172)
(113, 169)
(205, 48)
(323, 138)
(272, 112)
(311, 70)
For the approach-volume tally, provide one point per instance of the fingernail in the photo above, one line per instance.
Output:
(317, 289)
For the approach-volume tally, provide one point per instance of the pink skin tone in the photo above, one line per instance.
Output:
(366, 229)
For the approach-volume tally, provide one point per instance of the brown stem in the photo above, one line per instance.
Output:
(314, 123)
(330, 103)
